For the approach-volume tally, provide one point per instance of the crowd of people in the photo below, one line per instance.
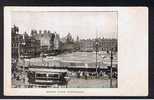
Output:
(92, 75)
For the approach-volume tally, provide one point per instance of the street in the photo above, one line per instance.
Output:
(84, 57)
(74, 83)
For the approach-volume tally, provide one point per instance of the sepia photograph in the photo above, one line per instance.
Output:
(75, 51)
(64, 49)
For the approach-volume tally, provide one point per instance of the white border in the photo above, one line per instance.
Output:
(132, 54)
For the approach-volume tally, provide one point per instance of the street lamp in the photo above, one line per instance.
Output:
(19, 55)
(111, 68)
(20, 43)
(67, 79)
(96, 56)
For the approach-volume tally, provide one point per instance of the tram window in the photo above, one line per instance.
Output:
(72, 64)
(80, 64)
(92, 64)
(40, 75)
(53, 75)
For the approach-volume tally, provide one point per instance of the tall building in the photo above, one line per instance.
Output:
(16, 42)
(32, 46)
(48, 41)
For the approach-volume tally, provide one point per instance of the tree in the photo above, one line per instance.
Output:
(77, 39)
(77, 44)
(26, 35)
(69, 38)
(33, 32)
(52, 36)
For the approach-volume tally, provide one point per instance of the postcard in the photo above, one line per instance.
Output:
(75, 51)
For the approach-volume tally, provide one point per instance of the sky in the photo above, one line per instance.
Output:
(83, 24)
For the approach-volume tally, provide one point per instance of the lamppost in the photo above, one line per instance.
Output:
(96, 56)
(19, 54)
(111, 68)
(19, 49)
(67, 79)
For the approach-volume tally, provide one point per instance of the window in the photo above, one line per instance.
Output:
(53, 75)
(40, 75)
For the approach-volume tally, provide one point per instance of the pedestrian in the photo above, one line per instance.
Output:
(85, 74)
(78, 74)
(81, 74)
(101, 73)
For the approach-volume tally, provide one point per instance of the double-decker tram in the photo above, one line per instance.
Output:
(41, 76)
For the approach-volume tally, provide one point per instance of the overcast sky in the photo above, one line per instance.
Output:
(82, 24)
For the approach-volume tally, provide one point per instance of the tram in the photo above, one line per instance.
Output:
(46, 76)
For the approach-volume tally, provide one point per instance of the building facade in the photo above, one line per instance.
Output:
(16, 42)
(48, 41)
(87, 45)
(98, 44)
(108, 44)
(23, 45)
(32, 46)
